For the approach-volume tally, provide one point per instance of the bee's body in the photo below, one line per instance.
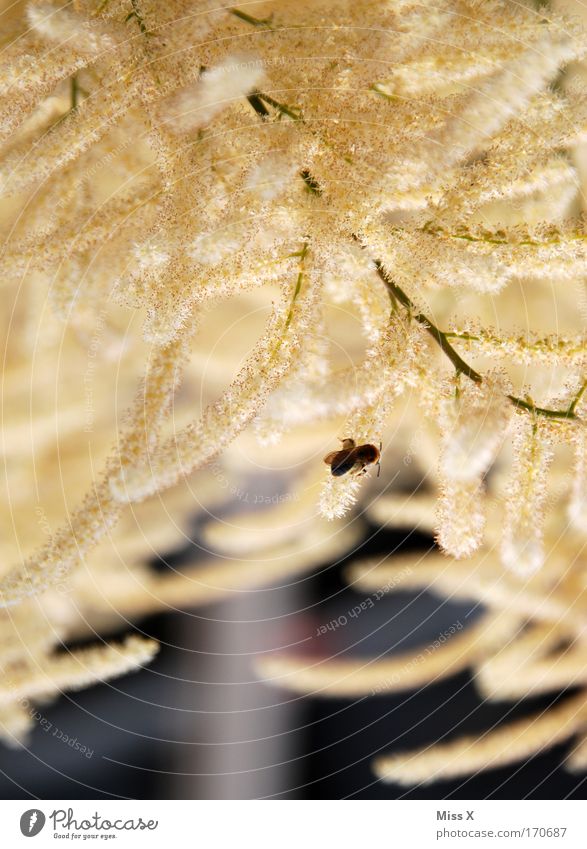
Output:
(341, 462)
(352, 458)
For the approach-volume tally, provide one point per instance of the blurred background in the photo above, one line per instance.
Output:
(198, 724)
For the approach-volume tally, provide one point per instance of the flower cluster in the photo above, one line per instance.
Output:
(359, 219)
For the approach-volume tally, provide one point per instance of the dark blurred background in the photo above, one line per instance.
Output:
(198, 724)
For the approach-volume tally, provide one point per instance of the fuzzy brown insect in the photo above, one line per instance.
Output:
(353, 458)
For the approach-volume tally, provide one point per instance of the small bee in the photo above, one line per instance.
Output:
(353, 458)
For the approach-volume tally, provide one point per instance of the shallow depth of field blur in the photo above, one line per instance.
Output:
(231, 237)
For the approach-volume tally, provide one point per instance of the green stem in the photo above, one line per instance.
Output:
(297, 289)
(466, 337)
(520, 404)
(376, 88)
(460, 365)
(136, 13)
(249, 19)
(439, 337)
(489, 240)
(577, 397)
(312, 185)
(74, 89)
(395, 292)
(74, 93)
(258, 105)
(290, 111)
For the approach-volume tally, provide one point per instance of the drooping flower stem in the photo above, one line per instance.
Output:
(136, 13)
(577, 397)
(302, 255)
(249, 19)
(441, 338)
(569, 413)
(282, 108)
(74, 91)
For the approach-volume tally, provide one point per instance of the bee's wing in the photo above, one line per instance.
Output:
(330, 457)
(343, 463)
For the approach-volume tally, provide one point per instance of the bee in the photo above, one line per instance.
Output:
(353, 458)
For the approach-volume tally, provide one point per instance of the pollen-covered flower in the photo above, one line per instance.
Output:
(64, 27)
(197, 104)
(522, 547)
(473, 426)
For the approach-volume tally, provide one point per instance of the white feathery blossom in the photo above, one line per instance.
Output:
(555, 175)
(460, 517)
(165, 187)
(486, 111)
(396, 359)
(79, 669)
(151, 255)
(338, 495)
(577, 508)
(522, 547)
(268, 179)
(473, 425)
(195, 105)
(211, 248)
(64, 27)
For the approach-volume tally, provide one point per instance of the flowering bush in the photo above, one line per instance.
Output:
(359, 219)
